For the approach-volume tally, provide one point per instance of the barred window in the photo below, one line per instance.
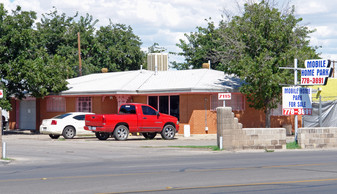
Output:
(56, 104)
(84, 104)
(237, 102)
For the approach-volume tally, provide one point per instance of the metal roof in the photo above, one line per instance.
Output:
(149, 82)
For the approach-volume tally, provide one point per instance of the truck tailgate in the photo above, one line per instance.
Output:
(94, 120)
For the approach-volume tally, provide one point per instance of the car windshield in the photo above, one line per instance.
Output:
(62, 116)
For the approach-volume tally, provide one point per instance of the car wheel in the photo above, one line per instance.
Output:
(54, 136)
(149, 135)
(102, 135)
(168, 132)
(69, 132)
(121, 133)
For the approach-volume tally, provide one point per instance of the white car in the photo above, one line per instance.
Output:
(68, 125)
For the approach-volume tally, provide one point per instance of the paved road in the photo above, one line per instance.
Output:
(86, 165)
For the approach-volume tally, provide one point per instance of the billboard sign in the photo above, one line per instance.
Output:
(317, 72)
(296, 101)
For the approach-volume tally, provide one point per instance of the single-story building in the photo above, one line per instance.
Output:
(190, 95)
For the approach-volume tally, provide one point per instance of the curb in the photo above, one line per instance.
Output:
(5, 161)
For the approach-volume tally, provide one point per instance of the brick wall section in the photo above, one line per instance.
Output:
(236, 137)
(319, 137)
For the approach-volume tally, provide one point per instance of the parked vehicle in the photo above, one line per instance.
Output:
(132, 118)
(68, 125)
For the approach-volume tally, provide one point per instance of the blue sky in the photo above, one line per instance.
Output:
(165, 22)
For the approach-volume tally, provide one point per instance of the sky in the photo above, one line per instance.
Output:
(166, 21)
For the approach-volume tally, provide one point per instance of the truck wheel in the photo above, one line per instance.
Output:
(149, 135)
(168, 132)
(102, 135)
(54, 136)
(69, 132)
(121, 133)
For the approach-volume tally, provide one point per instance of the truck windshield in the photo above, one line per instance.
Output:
(127, 109)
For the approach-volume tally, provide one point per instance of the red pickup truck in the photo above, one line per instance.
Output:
(132, 118)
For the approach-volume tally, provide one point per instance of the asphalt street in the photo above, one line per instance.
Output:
(87, 165)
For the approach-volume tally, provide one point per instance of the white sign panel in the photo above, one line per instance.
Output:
(224, 96)
(1, 93)
(317, 63)
(296, 101)
(316, 73)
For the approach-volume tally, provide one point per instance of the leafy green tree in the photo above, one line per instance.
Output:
(199, 47)
(59, 35)
(155, 48)
(256, 44)
(253, 46)
(119, 48)
(23, 65)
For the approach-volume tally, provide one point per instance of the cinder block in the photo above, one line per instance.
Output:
(330, 135)
(283, 142)
(254, 137)
(274, 142)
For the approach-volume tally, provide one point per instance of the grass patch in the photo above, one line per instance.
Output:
(6, 159)
(293, 145)
(213, 148)
(61, 139)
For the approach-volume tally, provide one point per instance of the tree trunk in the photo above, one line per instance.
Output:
(267, 113)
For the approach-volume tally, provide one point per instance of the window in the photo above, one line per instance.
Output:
(84, 104)
(79, 117)
(148, 110)
(236, 103)
(62, 116)
(127, 109)
(153, 101)
(165, 104)
(56, 104)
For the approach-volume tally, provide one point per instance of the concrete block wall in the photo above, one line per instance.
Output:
(317, 137)
(236, 137)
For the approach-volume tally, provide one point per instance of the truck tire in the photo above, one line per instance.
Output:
(102, 135)
(149, 135)
(121, 133)
(69, 132)
(168, 132)
(54, 136)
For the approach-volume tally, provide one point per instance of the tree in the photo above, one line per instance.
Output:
(155, 48)
(119, 48)
(253, 46)
(25, 68)
(199, 47)
(256, 44)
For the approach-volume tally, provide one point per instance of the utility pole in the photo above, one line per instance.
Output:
(79, 53)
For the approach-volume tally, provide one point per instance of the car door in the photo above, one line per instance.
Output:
(150, 120)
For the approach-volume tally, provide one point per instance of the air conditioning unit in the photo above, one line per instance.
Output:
(157, 61)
